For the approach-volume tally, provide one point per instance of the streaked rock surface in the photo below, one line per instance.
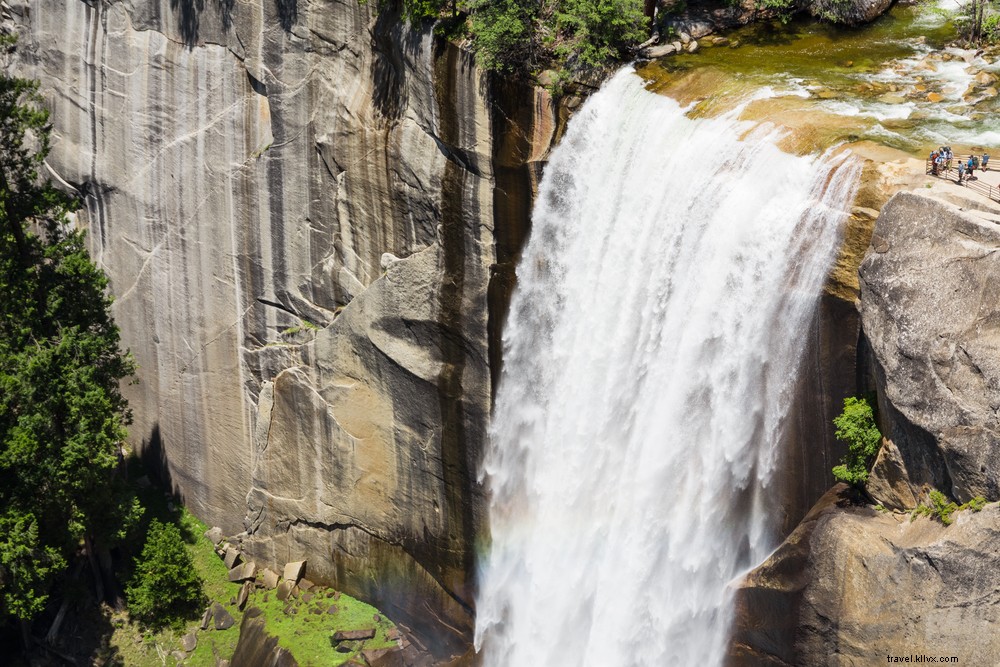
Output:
(245, 167)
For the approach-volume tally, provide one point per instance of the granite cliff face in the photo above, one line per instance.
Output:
(295, 203)
(851, 585)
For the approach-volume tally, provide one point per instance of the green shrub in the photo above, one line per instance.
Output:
(856, 427)
(941, 508)
(597, 31)
(165, 587)
(502, 33)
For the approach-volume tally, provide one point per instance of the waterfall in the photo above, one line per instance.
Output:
(650, 354)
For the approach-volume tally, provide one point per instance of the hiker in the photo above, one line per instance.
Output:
(986, 160)
(935, 159)
(939, 167)
(969, 166)
(947, 158)
(975, 160)
(961, 172)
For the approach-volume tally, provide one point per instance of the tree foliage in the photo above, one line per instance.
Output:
(165, 587)
(62, 416)
(856, 427)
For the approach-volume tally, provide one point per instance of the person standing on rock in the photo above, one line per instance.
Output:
(986, 161)
(961, 171)
(970, 165)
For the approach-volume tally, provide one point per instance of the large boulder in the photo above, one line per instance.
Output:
(930, 310)
(851, 586)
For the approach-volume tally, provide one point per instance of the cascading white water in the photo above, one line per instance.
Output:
(649, 356)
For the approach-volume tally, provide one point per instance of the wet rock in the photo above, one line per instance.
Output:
(223, 619)
(661, 51)
(892, 98)
(852, 12)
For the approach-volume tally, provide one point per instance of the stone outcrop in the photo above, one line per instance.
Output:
(244, 169)
(930, 309)
(852, 585)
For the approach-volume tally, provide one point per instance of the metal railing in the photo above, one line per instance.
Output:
(976, 185)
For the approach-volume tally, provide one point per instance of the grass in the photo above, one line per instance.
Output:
(305, 630)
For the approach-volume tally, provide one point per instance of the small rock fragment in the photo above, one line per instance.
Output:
(270, 578)
(332, 609)
(206, 618)
(189, 642)
(353, 635)
(244, 594)
(306, 585)
(284, 590)
(232, 557)
(223, 619)
(295, 570)
(214, 535)
(243, 572)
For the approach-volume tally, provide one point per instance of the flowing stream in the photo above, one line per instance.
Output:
(650, 352)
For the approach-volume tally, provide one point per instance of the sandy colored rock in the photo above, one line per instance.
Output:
(270, 578)
(822, 598)
(353, 635)
(294, 571)
(243, 572)
(930, 298)
(214, 535)
(232, 557)
(284, 590)
(244, 594)
(889, 482)
(244, 167)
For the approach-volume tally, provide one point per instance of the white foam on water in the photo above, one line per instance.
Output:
(649, 359)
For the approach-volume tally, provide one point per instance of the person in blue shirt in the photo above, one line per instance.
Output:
(986, 161)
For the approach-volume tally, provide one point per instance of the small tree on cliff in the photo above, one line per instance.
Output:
(165, 587)
(62, 417)
(856, 427)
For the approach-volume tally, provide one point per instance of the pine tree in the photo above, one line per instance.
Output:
(165, 586)
(62, 415)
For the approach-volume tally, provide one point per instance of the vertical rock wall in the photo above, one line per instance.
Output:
(294, 200)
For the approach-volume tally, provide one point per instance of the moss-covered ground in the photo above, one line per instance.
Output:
(303, 625)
